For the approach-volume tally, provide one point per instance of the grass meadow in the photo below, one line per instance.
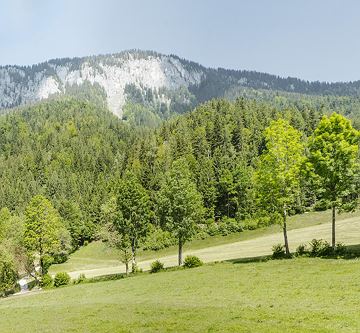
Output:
(298, 295)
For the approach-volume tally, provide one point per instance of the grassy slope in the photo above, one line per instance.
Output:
(300, 295)
(97, 255)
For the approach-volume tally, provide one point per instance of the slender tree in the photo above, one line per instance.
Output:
(277, 177)
(113, 234)
(180, 205)
(334, 150)
(134, 212)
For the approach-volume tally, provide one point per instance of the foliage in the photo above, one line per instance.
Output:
(278, 251)
(47, 281)
(340, 249)
(45, 234)
(334, 148)
(158, 239)
(133, 212)
(192, 261)
(180, 204)
(61, 279)
(277, 176)
(301, 250)
(8, 272)
(320, 248)
(156, 266)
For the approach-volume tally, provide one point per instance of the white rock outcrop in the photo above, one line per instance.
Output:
(23, 85)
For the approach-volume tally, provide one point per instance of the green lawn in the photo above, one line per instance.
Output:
(299, 295)
(96, 255)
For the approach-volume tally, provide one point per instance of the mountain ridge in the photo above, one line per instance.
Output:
(165, 83)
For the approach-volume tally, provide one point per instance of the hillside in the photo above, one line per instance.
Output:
(164, 84)
(97, 259)
(300, 295)
(66, 150)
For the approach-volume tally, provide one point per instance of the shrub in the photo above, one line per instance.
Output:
(301, 250)
(320, 248)
(278, 251)
(340, 249)
(47, 281)
(156, 266)
(212, 229)
(250, 224)
(229, 226)
(192, 261)
(61, 279)
(81, 279)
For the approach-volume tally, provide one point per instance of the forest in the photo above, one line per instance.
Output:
(71, 173)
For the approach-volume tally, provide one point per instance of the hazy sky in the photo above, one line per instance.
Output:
(310, 39)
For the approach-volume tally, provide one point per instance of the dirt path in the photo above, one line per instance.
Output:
(348, 232)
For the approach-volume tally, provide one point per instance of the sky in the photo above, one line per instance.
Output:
(309, 39)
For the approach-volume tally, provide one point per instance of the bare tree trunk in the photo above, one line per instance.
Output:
(285, 234)
(333, 227)
(127, 268)
(133, 257)
(180, 251)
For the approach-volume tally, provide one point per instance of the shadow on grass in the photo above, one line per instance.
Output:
(352, 252)
(249, 260)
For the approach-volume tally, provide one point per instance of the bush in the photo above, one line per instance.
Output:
(212, 229)
(251, 224)
(61, 279)
(278, 251)
(228, 226)
(320, 248)
(81, 279)
(192, 261)
(340, 249)
(156, 266)
(47, 281)
(301, 250)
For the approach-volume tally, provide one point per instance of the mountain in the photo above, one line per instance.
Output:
(164, 84)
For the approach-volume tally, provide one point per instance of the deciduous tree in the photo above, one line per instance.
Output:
(334, 150)
(180, 205)
(278, 173)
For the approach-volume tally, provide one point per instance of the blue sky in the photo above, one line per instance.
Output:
(310, 39)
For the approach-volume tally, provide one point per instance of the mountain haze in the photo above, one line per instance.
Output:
(164, 83)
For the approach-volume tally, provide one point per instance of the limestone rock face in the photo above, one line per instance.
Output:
(143, 70)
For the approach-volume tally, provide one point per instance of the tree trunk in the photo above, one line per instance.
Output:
(127, 268)
(333, 227)
(285, 235)
(41, 263)
(180, 251)
(133, 255)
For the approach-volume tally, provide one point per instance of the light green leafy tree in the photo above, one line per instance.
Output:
(180, 205)
(45, 234)
(277, 178)
(334, 149)
(134, 212)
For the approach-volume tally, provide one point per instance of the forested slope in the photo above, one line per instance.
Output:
(65, 150)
